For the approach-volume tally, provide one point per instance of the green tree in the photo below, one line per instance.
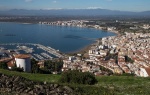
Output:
(54, 65)
(34, 66)
(78, 77)
(128, 59)
(15, 68)
(3, 65)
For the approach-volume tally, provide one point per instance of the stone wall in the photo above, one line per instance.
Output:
(16, 85)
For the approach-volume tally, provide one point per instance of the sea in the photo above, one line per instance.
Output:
(63, 38)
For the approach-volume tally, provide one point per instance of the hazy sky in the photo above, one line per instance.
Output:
(123, 5)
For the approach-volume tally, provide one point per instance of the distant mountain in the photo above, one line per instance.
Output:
(146, 13)
(75, 12)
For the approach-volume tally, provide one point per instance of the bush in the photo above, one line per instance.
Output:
(44, 71)
(3, 65)
(17, 69)
(78, 77)
(128, 59)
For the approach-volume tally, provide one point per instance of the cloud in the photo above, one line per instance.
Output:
(28, 0)
(52, 9)
(54, 1)
(94, 8)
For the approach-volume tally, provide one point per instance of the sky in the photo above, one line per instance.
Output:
(122, 5)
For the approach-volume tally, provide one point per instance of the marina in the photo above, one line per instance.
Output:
(63, 38)
(37, 51)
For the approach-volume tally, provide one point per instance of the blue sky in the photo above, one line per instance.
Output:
(123, 5)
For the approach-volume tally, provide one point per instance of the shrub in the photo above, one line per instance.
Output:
(17, 69)
(3, 65)
(78, 77)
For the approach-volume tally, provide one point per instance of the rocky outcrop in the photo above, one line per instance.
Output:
(16, 85)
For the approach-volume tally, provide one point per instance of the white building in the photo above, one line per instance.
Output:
(23, 61)
(144, 72)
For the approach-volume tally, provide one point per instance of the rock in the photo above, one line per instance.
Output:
(18, 89)
(60, 89)
(31, 92)
(8, 83)
(10, 86)
(68, 89)
(28, 90)
(1, 74)
(40, 87)
(40, 93)
(45, 82)
(52, 92)
(21, 86)
(17, 79)
(14, 88)
(56, 85)
(22, 90)
(3, 85)
(47, 90)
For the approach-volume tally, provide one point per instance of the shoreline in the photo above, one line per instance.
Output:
(87, 47)
(83, 49)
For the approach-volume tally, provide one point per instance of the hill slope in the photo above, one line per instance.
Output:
(107, 85)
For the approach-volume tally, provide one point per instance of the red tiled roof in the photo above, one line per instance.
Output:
(148, 71)
(11, 63)
(22, 56)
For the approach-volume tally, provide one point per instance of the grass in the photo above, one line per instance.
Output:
(107, 85)
(121, 80)
(35, 77)
(121, 85)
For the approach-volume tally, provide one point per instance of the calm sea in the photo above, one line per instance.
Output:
(63, 38)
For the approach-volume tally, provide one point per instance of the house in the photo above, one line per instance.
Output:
(11, 64)
(145, 72)
(41, 64)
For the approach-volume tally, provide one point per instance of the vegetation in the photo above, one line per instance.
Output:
(128, 59)
(78, 77)
(106, 70)
(49, 66)
(3, 65)
(34, 66)
(106, 85)
(15, 68)
(33, 76)
(53, 66)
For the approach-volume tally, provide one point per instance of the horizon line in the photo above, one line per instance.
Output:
(90, 8)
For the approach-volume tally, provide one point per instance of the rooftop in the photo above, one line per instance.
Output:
(22, 56)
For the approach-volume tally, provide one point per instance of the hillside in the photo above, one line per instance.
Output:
(107, 85)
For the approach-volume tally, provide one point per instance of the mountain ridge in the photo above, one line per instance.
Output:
(74, 12)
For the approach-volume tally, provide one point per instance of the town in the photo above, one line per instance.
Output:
(74, 47)
(127, 52)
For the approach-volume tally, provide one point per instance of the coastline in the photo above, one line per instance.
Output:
(82, 49)
(85, 48)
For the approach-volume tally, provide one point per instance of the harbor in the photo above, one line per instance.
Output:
(37, 51)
